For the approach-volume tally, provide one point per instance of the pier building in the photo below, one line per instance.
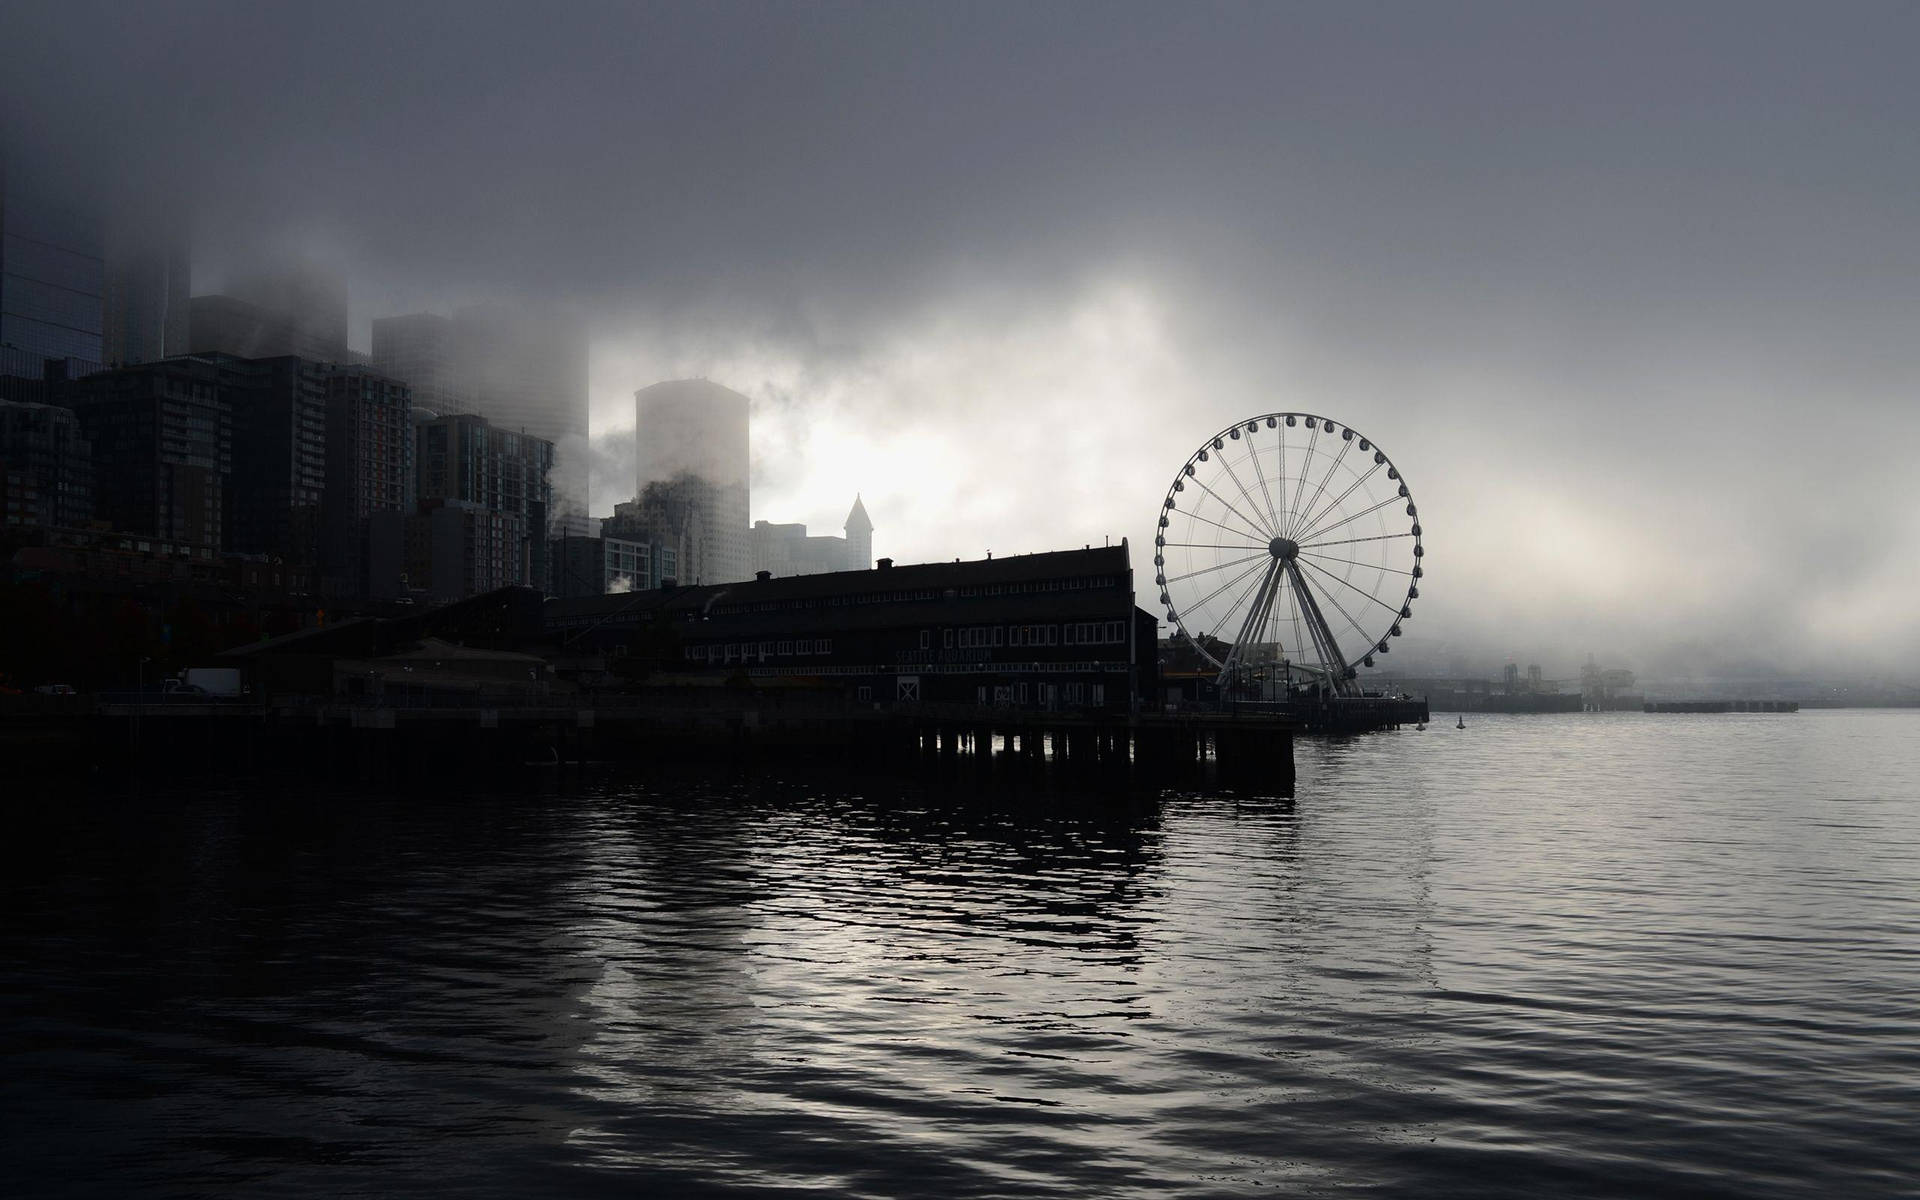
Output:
(1050, 632)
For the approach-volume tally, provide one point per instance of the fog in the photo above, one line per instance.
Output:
(1629, 293)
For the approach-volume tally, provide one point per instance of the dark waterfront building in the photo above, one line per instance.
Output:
(47, 464)
(162, 441)
(1039, 631)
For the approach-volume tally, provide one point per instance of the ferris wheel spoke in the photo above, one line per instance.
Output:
(1313, 656)
(1280, 462)
(1216, 567)
(1355, 562)
(1342, 497)
(1240, 600)
(1293, 603)
(1252, 539)
(1253, 525)
(1351, 623)
(1384, 537)
(1302, 539)
(1266, 493)
(1306, 468)
(1355, 587)
(1200, 604)
(1245, 494)
(1210, 545)
(1320, 491)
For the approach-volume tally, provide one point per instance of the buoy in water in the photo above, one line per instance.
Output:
(1462, 721)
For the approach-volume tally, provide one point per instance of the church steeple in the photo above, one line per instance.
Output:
(859, 531)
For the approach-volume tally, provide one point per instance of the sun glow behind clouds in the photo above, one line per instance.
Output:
(957, 426)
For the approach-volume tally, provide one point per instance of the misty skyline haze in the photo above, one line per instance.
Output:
(1628, 293)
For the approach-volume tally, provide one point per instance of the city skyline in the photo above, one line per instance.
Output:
(1613, 292)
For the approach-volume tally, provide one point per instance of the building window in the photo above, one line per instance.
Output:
(926, 638)
(946, 639)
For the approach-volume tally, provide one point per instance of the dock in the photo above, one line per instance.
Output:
(1243, 751)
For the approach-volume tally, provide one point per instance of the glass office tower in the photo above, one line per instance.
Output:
(52, 273)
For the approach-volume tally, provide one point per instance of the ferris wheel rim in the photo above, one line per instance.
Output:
(1295, 539)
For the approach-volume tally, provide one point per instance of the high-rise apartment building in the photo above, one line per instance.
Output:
(693, 436)
(463, 460)
(162, 441)
(47, 464)
(277, 484)
(370, 482)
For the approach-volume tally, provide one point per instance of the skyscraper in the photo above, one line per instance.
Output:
(52, 270)
(419, 349)
(524, 371)
(147, 288)
(299, 310)
(311, 298)
(693, 435)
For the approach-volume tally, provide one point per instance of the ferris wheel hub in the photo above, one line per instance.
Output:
(1284, 549)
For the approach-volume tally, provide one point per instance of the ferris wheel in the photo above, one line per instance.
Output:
(1288, 553)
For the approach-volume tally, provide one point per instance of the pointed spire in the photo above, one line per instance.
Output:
(857, 518)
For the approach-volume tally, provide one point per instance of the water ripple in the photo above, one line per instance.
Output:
(1568, 956)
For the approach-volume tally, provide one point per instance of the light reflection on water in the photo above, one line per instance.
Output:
(1566, 955)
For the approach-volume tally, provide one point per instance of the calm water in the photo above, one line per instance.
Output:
(1592, 955)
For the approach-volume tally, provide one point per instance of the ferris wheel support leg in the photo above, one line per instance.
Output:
(1338, 670)
(1256, 619)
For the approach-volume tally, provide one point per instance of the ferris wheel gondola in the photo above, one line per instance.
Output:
(1289, 546)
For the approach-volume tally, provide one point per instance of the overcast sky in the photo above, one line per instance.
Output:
(1630, 293)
